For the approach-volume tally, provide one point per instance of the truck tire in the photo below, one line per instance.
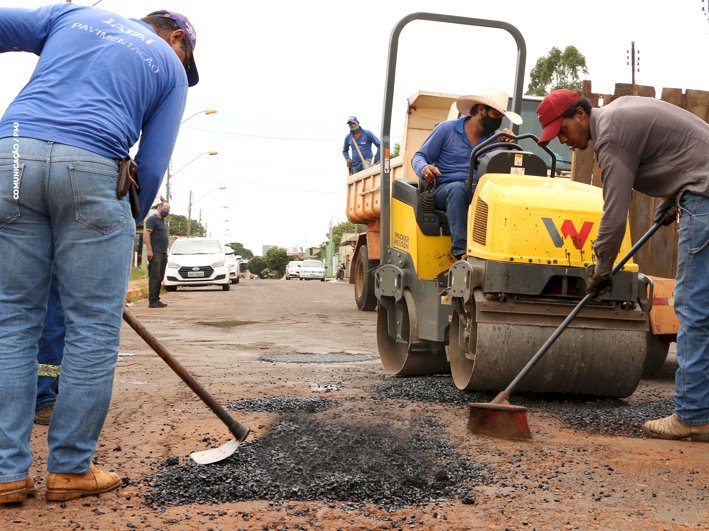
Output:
(657, 349)
(364, 280)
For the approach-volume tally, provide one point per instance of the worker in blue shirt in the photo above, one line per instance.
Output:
(444, 158)
(357, 149)
(101, 82)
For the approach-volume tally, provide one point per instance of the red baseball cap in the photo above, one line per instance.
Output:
(550, 110)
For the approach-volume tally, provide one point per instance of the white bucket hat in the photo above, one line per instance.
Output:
(497, 99)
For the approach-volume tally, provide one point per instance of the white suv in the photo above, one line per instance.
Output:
(196, 262)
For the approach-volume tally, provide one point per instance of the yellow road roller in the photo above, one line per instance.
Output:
(529, 253)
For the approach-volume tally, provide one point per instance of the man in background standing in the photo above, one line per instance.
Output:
(156, 242)
(357, 149)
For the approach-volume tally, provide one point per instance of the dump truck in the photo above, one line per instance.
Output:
(483, 317)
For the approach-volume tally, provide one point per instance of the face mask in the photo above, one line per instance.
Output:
(490, 124)
(354, 128)
(164, 213)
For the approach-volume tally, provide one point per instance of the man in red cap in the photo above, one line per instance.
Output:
(661, 150)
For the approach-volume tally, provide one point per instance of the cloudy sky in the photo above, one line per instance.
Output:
(284, 76)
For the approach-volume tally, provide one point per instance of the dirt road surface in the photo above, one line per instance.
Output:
(338, 444)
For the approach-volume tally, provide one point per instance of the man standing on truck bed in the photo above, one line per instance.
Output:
(661, 150)
(444, 158)
(357, 149)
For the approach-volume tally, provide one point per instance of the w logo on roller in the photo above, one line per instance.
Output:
(578, 237)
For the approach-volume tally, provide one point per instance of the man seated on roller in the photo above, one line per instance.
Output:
(444, 158)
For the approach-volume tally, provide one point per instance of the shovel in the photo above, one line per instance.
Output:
(239, 431)
(501, 419)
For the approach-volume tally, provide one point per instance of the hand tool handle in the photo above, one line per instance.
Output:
(235, 427)
(589, 296)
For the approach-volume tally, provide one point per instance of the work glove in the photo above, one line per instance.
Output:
(666, 212)
(600, 284)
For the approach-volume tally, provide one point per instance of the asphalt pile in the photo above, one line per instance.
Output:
(603, 416)
(306, 458)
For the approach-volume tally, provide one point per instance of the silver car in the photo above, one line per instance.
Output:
(312, 270)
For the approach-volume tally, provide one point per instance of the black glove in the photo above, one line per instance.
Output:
(600, 284)
(666, 212)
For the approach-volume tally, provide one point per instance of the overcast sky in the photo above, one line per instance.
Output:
(284, 76)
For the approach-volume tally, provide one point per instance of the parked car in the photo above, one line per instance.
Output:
(312, 270)
(293, 269)
(233, 262)
(196, 262)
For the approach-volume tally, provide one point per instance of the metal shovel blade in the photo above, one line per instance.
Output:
(214, 455)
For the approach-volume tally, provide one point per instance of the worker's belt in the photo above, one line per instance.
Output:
(48, 370)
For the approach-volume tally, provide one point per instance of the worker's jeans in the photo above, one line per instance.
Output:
(50, 350)
(455, 199)
(692, 308)
(58, 205)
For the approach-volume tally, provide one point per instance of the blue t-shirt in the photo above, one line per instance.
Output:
(100, 81)
(365, 141)
(449, 149)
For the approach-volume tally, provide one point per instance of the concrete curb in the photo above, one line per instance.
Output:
(137, 290)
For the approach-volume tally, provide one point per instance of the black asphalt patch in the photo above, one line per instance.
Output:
(596, 415)
(303, 458)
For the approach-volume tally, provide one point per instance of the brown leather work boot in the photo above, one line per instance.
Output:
(17, 491)
(44, 415)
(62, 487)
(673, 428)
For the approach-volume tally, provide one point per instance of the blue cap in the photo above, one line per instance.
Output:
(352, 119)
(182, 23)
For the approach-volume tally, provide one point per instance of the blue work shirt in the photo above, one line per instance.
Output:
(100, 81)
(365, 141)
(449, 149)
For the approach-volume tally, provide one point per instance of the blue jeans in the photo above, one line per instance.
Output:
(58, 208)
(455, 199)
(692, 308)
(50, 349)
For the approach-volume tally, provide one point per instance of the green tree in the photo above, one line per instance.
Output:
(340, 229)
(240, 250)
(276, 261)
(178, 226)
(257, 264)
(557, 70)
(395, 151)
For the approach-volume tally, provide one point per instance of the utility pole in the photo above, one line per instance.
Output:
(633, 60)
(189, 216)
(330, 251)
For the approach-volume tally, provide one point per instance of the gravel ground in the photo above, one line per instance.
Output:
(283, 404)
(306, 458)
(601, 416)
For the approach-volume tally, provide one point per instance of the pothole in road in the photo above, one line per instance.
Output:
(605, 416)
(316, 357)
(305, 458)
(225, 324)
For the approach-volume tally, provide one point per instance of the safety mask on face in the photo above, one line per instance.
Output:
(354, 128)
(164, 213)
(490, 124)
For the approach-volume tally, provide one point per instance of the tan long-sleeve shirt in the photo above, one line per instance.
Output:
(647, 145)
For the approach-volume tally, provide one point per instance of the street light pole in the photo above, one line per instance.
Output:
(189, 208)
(189, 216)
(170, 175)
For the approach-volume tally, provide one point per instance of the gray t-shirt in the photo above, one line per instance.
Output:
(158, 234)
(647, 145)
